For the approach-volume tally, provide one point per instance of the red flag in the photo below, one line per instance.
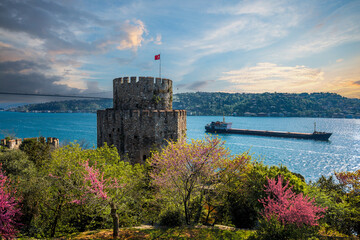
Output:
(157, 57)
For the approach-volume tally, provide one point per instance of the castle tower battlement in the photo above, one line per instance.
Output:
(142, 93)
(142, 117)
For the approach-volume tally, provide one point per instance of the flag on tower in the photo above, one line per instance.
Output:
(157, 57)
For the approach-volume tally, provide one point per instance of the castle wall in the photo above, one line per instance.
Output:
(137, 132)
(144, 93)
(141, 119)
(15, 143)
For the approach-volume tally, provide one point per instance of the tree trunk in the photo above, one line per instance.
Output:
(186, 214)
(57, 215)
(199, 210)
(115, 218)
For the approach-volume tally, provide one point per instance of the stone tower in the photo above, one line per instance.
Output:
(141, 119)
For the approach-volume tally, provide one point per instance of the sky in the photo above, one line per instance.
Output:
(75, 47)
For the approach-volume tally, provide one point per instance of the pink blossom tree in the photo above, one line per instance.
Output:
(9, 208)
(99, 186)
(287, 207)
(183, 171)
(108, 190)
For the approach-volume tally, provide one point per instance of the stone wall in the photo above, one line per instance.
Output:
(142, 93)
(15, 143)
(142, 119)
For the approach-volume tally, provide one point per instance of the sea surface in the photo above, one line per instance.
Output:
(308, 157)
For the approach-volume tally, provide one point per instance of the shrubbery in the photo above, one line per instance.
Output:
(171, 218)
(76, 189)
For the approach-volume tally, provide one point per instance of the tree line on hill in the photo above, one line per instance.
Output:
(236, 104)
(268, 104)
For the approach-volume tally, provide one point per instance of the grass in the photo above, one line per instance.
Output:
(167, 233)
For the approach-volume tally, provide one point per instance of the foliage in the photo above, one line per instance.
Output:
(350, 180)
(74, 190)
(96, 180)
(38, 151)
(288, 207)
(241, 204)
(9, 208)
(171, 218)
(343, 213)
(287, 215)
(94, 186)
(185, 172)
(272, 229)
(29, 183)
(16, 163)
(264, 104)
(69, 105)
(170, 233)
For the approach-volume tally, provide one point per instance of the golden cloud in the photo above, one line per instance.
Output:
(133, 35)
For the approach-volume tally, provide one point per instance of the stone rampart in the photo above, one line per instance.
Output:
(137, 132)
(142, 93)
(15, 143)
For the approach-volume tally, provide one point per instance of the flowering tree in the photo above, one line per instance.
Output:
(184, 170)
(288, 207)
(95, 188)
(350, 179)
(9, 208)
(92, 183)
(108, 190)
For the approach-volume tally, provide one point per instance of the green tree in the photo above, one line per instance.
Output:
(37, 150)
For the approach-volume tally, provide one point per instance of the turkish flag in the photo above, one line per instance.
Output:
(157, 57)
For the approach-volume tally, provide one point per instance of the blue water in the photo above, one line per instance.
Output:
(307, 157)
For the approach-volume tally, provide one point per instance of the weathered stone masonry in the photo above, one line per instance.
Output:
(142, 118)
(15, 143)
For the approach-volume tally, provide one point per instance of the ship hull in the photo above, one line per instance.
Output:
(315, 136)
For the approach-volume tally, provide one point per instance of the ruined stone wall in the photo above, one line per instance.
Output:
(142, 119)
(15, 143)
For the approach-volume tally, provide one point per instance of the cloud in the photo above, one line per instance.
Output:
(339, 60)
(133, 35)
(158, 39)
(55, 42)
(343, 78)
(195, 86)
(199, 85)
(338, 28)
(5, 45)
(272, 77)
(49, 21)
(262, 8)
(24, 77)
(238, 29)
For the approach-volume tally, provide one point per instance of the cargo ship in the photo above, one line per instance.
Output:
(225, 127)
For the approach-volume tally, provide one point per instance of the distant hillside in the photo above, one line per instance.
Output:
(67, 106)
(268, 104)
(237, 104)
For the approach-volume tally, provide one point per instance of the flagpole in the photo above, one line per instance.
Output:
(160, 66)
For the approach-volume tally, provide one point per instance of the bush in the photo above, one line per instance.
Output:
(171, 218)
(272, 229)
(242, 206)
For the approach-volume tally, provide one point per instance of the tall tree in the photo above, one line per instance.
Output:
(187, 171)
